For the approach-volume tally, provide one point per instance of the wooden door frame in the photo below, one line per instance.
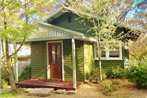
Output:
(48, 67)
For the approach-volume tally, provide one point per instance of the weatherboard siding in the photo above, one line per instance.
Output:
(88, 60)
(75, 23)
(109, 64)
(80, 60)
(68, 68)
(67, 59)
(38, 60)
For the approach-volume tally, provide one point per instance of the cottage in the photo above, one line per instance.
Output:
(65, 50)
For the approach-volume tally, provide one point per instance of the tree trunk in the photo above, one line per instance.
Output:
(12, 79)
(99, 56)
(9, 69)
(100, 70)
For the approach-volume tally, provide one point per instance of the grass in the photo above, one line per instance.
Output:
(6, 93)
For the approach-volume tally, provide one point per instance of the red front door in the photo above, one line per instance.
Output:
(55, 60)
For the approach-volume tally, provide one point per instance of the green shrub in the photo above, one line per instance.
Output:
(4, 75)
(136, 73)
(116, 72)
(95, 76)
(107, 87)
(26, 74)
(4, 83)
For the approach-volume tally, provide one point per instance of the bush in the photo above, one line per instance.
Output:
(4, 75)
(26, 74)
(107, 87)
(4, 83)
(137, 73)
(95, 76)
(116, 72)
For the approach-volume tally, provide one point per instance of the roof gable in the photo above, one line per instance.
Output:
(52, 32)
(66, 19)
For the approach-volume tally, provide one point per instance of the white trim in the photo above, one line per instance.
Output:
(107, 54)
(48, 71)
(74, 62)
(48, 67)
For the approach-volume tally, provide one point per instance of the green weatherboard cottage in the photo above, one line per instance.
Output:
(65, 50)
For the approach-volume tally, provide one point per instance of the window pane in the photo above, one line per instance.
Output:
(114, 51)
(103, 52)
(53, 54)
(58, 54)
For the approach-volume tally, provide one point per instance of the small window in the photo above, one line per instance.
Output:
(103, 52)
(114, 52)
(69, 19)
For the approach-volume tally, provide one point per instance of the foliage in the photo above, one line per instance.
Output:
(138, 49)
(4, 83)
(116, 72)
(95, 76)
(4, 75)
(108, 86)
(25, 75)
(136, 18)
(138, 74)
(14, 28)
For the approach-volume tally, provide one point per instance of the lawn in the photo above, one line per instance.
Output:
(90, 90)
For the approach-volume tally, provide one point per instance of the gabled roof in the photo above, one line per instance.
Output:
(52, 32)
(55, 15)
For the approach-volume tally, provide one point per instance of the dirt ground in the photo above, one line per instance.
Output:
(126, 90)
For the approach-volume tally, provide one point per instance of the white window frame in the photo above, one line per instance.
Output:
(107, 54)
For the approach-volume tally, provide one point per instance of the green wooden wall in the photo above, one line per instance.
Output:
(84, 60)
(38, 60)
(80, 60)
(68, 70)
(109, 64)
(67, 59)
(88, 59)
(75, 23)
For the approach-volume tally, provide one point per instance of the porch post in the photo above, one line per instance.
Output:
(16, 63)
(74, 63)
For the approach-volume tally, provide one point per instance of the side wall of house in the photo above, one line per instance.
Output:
(38, 60)
(80, 60)
(68, 70)
(88, 59)
(67, 59)
(109, 64)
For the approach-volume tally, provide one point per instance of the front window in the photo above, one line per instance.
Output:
(113, 52)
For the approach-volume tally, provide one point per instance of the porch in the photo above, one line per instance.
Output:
(56, 84)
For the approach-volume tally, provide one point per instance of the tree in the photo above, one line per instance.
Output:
(138, 48)
(14, 29)
(102, 15)
(134, 15)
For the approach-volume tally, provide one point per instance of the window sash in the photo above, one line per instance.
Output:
(107, 54)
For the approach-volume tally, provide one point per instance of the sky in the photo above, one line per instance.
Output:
(132, 12)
